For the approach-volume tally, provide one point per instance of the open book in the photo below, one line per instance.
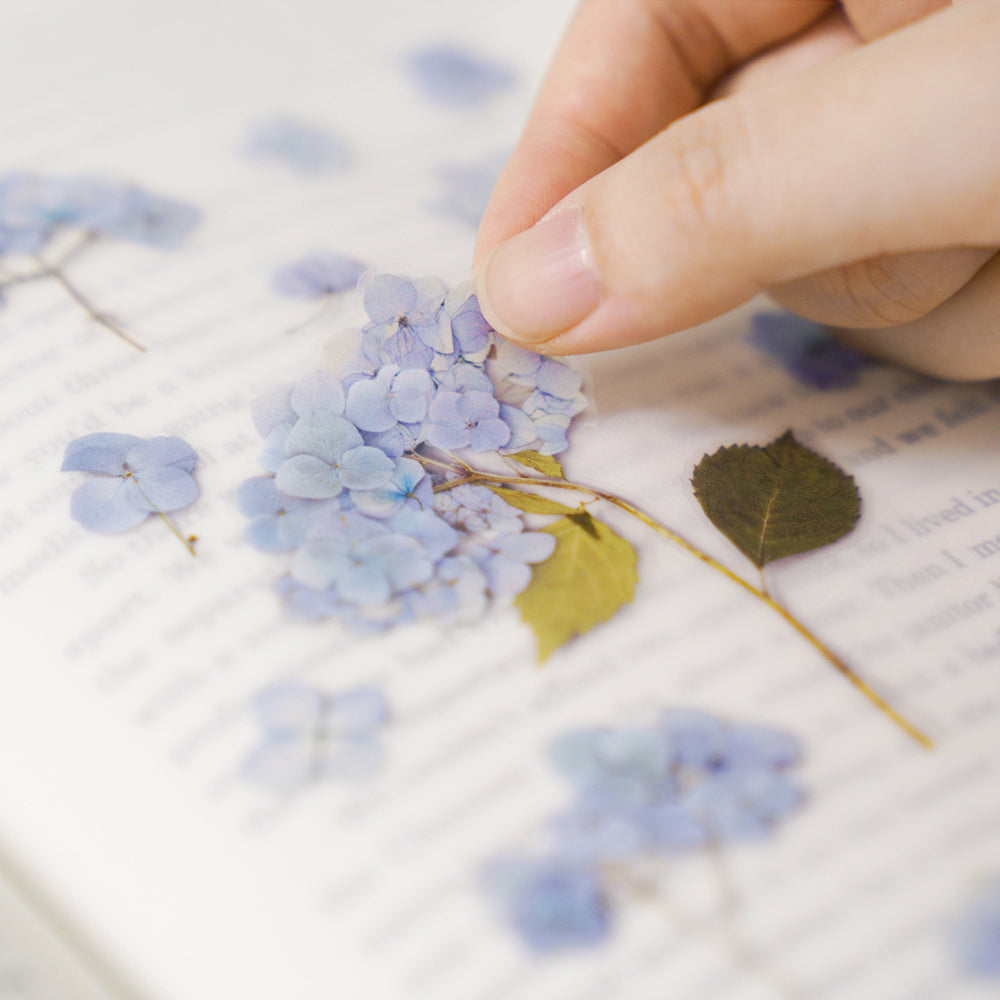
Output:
(140, 860)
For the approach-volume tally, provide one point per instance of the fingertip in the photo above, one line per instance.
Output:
(540, 283)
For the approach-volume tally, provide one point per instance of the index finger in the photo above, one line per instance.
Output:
(624, 71)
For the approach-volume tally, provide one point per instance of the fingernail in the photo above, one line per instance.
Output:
(540, 282)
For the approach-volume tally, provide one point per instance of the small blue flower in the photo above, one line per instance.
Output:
(406, 486)
(305, 147)
(325, 455)
(466, 420)
(807, 351)
(278, 523)
(136, 478)
(457, 78)
(477, 510)
(976, 933)
(308, 734)
(405, 327)
(318, 275)
(392, 396)
(553, 905)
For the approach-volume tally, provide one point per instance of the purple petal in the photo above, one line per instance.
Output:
(101, 452)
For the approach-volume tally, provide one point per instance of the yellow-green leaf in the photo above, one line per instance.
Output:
(588, 578)
(545, 464)
(777, 500)
(531, 502)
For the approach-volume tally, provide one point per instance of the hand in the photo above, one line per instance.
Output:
(684, 155)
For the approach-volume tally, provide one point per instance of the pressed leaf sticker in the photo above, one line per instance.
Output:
(776, 500)
(547, 465)
(531, 503)
(589, 577)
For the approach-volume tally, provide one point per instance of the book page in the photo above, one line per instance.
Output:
(131, 667)
(35, 964)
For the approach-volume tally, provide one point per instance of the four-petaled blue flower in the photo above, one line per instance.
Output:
(136, 478)
(308, 734)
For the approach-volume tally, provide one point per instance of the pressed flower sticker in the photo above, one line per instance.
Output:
(390, 502)
(136, 477)
(308, 734)
(642, 799)
(48, 222)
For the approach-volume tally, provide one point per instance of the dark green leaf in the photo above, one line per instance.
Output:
(584, 582)
(777, 500)
(545, 464)
(531, 502)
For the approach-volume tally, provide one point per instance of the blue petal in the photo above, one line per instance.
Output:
(309, 477)
(100, 452)
(365, 468)
(368, 404)
(271, 409)
(289, 708)
(104, 506)
(323, 435)
(317, 391)
(387, 297)
(164, 489)
(258, 495)
(282, 765)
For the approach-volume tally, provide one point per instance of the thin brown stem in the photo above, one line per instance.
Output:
(54, 272)
(473, 476)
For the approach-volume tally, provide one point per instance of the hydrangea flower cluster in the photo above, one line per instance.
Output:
(33, 209)
(353, 459)
(308, 734)
(689, 781)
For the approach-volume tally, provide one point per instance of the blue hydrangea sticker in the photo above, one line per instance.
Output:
(308, 735)
(642, 797)
(415, 476)
(68, 216)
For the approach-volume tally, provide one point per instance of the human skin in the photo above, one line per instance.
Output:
(684, 155)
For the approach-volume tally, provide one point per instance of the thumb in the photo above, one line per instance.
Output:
(887, 149)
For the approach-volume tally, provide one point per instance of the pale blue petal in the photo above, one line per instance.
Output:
(165, 489)
(272, 408)
(365, 468)
(282, 765)
(161, 451)
(529, 546)
(412, 391)
(289, 708)
(368, 403)
(317, 391)
(386, 296)
(104, 506)
(309, 477)
(259, 495)
(323, 435)
(321, 562)
(100, 452)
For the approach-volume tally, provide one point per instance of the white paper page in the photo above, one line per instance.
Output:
(125, 720)
(35, 964)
